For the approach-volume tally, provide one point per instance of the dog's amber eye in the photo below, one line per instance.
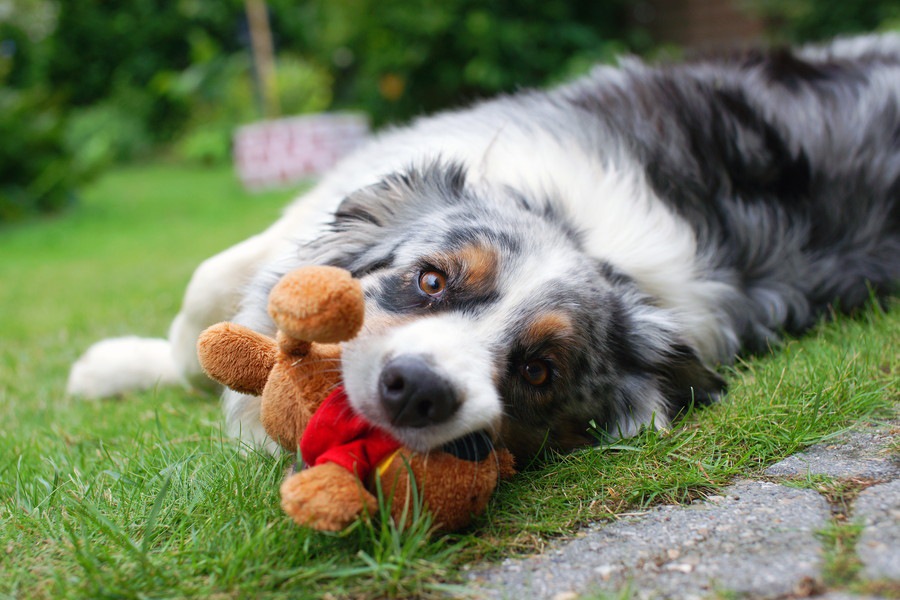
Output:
(432, 282)
(536, 372)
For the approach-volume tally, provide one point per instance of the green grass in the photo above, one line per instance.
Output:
(144, 496)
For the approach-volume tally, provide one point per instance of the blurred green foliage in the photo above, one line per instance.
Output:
(37, 172)
(220, 93)
(87, 83)
(118, 79)
(16, 56)
(809, 20)
(397, 58)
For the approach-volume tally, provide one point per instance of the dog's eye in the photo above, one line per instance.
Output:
(536, 372)
(432, 282)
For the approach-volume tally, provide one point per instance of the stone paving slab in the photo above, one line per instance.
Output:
(757, 539)
(878, 510)
(857, 454)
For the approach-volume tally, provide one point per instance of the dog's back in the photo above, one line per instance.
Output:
(786, 164)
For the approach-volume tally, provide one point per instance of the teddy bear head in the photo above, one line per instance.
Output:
(314, 309)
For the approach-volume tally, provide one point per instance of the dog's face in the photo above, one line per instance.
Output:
(483, 313)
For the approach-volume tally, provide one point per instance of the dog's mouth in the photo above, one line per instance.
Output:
(474, 447)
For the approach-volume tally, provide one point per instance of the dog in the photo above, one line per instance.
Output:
(550, 264)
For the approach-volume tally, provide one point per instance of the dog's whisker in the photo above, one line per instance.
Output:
(306, 361)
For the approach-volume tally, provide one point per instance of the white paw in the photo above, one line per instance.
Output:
(118, 365)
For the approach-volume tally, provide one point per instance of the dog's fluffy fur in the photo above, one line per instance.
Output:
(585, 255)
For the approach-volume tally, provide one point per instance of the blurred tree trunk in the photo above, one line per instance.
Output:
(263, 56)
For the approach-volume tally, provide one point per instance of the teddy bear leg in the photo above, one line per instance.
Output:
(453, 490)
(326, 497)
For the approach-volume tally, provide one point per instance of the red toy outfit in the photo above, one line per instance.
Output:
(337, 434)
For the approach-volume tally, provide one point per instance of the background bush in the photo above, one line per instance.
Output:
(88, 83)
(38, 172)
(807, 20)
(131, 77)
(220, 93)
(411, 56)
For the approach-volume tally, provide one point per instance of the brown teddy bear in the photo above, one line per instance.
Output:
(303, 405)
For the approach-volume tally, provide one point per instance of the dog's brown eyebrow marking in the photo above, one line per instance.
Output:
(476, 265)
(480, 266)
(551, 325)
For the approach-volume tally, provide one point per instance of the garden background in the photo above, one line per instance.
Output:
(116, 119)
(88, 84)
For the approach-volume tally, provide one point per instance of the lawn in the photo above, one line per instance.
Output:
(143, 496)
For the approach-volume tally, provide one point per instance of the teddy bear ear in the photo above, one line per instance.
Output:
(237, 357)
(318, 304)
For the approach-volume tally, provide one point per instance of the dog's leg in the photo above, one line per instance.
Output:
(242, 421)
(213, 295)
(118, 365)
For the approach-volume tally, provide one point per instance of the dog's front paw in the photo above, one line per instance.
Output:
(326, 497)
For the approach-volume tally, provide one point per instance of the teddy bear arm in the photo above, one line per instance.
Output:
(237, 357)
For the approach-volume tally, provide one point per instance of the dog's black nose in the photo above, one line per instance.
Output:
(414, 395)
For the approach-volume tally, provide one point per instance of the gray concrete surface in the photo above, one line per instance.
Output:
(878, 510)
(757, 539)
(859, 454)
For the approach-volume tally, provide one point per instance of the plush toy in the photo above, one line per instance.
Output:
(303, 405)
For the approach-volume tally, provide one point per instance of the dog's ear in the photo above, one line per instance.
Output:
(371, 222)
(373, 206)
(359, 238)
(403, 196)
(649, 348)
(685, 380)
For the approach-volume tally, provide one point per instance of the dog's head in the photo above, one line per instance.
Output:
(484, 313)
